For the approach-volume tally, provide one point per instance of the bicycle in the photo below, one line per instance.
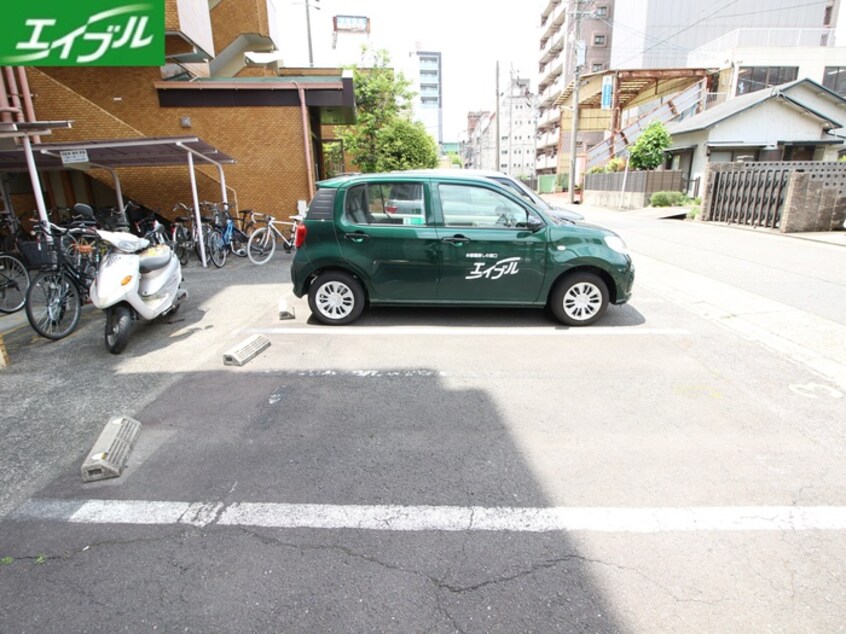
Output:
(55, 297)
(215, 247)
(14, 276)
(14, 283)
(180, 238)
(262, 243)
(233, 238)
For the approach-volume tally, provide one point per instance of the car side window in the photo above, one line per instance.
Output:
(386, 204)
(471, 206)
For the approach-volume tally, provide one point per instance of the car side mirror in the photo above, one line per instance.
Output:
(533, 223)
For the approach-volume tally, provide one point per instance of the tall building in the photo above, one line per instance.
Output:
(425, 73)
(517, 129)
(651, 35)
(561, 23)
(661, 33)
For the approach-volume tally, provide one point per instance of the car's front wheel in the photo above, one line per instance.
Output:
(336, 298)
(579, 299)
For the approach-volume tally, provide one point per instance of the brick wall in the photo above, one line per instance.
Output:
(231, 18)
(267, 142)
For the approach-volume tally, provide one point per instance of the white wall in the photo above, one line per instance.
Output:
(644, 25)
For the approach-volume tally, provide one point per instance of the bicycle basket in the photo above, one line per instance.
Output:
(37, 254)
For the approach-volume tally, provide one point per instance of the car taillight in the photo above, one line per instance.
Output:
(300, 235)
(390, 210)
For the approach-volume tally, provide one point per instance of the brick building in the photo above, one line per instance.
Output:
(221, 83)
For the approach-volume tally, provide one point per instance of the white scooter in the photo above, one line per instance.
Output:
(135, 281)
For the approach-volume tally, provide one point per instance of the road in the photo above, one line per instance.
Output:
(678, 466)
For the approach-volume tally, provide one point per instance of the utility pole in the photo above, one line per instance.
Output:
(577, 52)
(496, 115)
(308, 31)
(510, 119)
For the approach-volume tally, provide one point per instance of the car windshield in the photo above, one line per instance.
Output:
(526, 193)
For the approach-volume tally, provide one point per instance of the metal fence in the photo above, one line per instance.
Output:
(763, 194)
(639, 182)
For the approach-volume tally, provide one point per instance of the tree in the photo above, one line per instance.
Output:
(405, 145)
(647, 153)
(383, 136)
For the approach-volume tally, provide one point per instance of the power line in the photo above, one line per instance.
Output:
(687, 28)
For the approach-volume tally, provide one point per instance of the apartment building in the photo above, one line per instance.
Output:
(652, 35)
(425, 71)
(561, 23)
(223, 84)
(517, 129)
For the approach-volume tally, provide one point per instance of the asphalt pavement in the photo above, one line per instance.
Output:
(677, 466)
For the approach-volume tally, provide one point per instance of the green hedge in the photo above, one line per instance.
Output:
(667, 199)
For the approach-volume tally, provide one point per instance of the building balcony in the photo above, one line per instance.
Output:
(555, 21)
(713, 53)
(548, 10)
(188, 31)
(549, 140)
(547, 161)
(555, 71)
(552, 48)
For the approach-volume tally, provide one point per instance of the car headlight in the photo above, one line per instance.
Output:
(616, 243)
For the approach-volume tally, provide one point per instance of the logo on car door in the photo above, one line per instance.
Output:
(508, 266)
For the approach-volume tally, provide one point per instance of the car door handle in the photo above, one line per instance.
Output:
(456, 240)
(357, 236)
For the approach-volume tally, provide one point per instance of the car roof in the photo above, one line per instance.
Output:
(410, 175)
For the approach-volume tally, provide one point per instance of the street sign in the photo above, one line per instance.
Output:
(607, 92)
(74, 156)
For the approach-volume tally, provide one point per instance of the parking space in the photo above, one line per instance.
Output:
(441, 469)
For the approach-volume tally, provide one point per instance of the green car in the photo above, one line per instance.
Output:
(439, 240)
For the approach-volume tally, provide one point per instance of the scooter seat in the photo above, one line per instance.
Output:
(154, 258)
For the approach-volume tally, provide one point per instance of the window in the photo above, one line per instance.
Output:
(599, 39)
(834, 79)
(470, 206)
(602, 12)
(753, 78)
(385, 204)
(595, 68)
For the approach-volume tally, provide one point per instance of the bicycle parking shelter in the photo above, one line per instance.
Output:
(109, 154)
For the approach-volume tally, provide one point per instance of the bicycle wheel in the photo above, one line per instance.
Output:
(53, 305)
(205, 233)
(238, 244)
(217, 251)
(180, 246)
(261, 246)
(14, 282)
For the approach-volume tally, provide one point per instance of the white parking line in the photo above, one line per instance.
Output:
(475, 331)
(437, 518)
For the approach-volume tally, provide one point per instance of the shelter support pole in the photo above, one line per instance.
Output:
(36, 184)
(118, 192)
(198, 223)
(223, 196)
(26, 95)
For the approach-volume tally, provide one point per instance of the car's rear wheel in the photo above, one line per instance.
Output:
(579, 299)
(336, 298)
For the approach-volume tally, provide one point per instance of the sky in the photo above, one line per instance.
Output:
(471, 35)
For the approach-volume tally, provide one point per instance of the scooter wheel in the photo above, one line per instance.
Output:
(118, 328)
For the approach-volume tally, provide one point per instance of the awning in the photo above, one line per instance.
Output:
(110, 154)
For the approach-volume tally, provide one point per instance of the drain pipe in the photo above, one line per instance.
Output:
(13, 95)
(6, 108)
(29, 109)
(306, 138)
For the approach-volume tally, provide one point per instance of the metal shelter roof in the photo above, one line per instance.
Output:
(117, 153)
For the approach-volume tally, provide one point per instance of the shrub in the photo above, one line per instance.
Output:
(596, 170)
(693, 214)
(667, 199)
(616, 164)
